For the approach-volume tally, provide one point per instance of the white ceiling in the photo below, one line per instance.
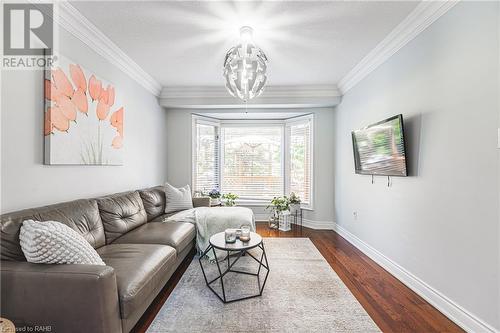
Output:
(183, 43)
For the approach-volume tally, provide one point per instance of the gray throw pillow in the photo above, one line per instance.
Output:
(177, 198)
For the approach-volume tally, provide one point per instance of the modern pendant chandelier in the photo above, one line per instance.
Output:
(245, 68)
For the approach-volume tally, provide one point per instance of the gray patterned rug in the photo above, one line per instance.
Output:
(302, 294)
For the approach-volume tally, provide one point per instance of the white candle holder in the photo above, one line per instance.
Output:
(245, 233)
(230, 235)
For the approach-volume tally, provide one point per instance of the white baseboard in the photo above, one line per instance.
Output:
(452, 310)
(261, 217)
(319, 225)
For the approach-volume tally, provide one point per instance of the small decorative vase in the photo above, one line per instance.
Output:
(214, 201)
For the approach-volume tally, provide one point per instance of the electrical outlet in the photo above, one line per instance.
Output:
(355, 215)
(498, 139)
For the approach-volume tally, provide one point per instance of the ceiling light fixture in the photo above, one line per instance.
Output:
(245, 67)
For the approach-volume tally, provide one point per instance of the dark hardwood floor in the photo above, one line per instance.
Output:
(392, 305)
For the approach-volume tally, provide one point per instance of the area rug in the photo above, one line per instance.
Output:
(302, 294)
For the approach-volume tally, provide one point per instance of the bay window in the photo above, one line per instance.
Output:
(257, 160)
(300, 157)
(252, 161)
(205, 156)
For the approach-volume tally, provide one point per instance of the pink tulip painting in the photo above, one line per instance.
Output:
(80, 126)
(111, 95)
(117, 122)
(78, 77)
(57, 119)
(47, 123)
(51, 92)
(80, 101)
(102, 110)
(95, 87)
(117, 142)
(67, 107)
(62, 83)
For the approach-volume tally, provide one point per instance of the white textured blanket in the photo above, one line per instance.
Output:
(211, 220)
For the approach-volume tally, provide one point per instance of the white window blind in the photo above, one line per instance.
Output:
(256, 160)
(300, 162)
(206, 157)
(252, 161)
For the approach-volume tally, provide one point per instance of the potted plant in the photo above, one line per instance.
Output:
(294, 203)
(279, 204)
(230, 199)
(214, 195)
(280, 213)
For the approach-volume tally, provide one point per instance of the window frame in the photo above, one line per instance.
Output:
(297, 121)
(285, 151)
(197, 119)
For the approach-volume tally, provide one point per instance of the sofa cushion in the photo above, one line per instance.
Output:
(154, 201)
(163, 217)
(80, 215)
(176, 234)
(121, 213)
(139, 270)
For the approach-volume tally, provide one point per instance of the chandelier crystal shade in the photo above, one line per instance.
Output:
(245, 68)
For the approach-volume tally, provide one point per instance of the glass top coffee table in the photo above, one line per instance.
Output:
(238, 249)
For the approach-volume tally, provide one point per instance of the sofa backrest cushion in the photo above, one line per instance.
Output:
(80, 215)
(121, 213)
(154, 201)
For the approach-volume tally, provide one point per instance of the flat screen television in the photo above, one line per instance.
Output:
(379, 149)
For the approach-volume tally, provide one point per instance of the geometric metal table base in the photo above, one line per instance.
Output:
(230, 270)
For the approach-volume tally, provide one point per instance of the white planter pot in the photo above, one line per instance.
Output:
(214, 202)
(294, 208)
(285, 220)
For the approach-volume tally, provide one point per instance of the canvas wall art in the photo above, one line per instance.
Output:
(83, 117)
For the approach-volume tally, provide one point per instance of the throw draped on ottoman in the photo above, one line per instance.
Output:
(211, 220)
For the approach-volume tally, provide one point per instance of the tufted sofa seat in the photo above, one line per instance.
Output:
(140, 251)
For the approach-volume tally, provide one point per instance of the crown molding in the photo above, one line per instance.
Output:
(426, 13)
(273, 97)
(79, 26)
(269, 91)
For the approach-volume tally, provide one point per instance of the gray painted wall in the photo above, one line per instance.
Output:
(26, 182)
(179, 133)
(498, 108)
(442, 222)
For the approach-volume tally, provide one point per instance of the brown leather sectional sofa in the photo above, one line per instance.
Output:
(140, 253)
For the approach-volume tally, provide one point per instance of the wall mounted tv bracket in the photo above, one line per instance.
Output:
(389, 180)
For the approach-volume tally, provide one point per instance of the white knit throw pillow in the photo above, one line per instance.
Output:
(52, 242)
(177, 198)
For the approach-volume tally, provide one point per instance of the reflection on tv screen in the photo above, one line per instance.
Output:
(379, 149)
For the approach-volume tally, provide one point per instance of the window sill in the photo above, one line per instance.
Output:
(264, 203)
